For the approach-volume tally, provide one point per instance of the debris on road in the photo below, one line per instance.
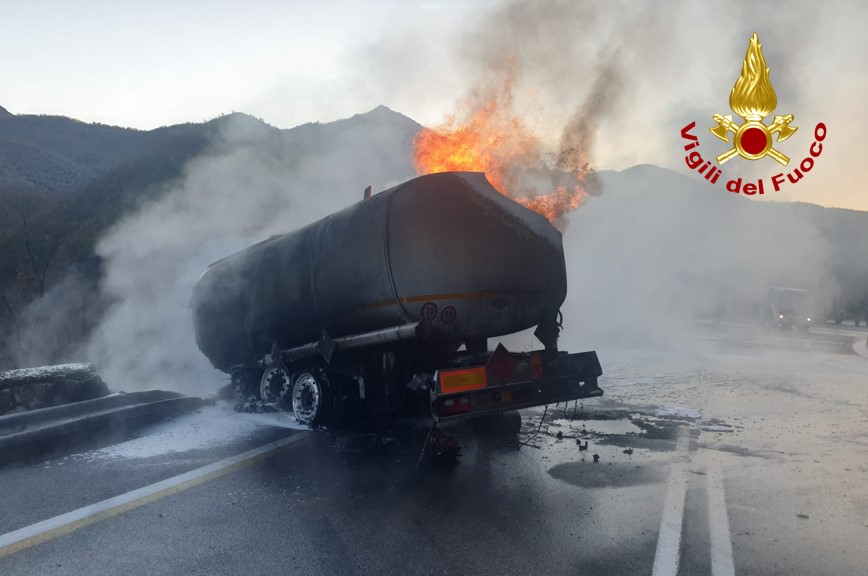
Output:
(251, 406)
(716, 425)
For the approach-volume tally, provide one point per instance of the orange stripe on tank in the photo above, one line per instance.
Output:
(430, 297)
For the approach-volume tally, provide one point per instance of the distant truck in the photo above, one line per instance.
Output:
(388, 305)
(789, 308)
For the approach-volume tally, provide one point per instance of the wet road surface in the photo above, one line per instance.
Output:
(744, 454)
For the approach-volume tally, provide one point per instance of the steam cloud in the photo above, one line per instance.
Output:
(244, 189)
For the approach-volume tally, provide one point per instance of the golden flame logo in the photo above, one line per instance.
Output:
(753, 98)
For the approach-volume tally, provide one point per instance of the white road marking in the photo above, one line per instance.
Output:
(65, 523)
(718, 523)
(669, 539)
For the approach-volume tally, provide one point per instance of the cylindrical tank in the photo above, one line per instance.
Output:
(445, 248)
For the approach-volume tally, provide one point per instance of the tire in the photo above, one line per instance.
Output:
(246, 381)
(310, 398)
(500, 424)
(510, 422)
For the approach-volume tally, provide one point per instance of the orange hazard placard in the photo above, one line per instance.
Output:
(536, 364)
(462, 379)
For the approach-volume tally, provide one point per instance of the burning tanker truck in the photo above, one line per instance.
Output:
(388, 306)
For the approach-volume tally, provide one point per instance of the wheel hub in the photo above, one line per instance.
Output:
(306, 398)
(272, 385)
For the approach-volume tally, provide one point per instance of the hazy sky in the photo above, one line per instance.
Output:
(147, 64)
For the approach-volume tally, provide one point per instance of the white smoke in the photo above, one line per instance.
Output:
(253, 182)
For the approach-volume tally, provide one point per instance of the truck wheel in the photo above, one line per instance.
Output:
(246, 381)
(273, 385)
(510, 423)
(309, 399)
(500, 424)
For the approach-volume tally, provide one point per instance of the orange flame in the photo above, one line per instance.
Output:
(560, 201)
(494, 140)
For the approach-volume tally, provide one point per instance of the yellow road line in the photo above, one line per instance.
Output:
(46, 530)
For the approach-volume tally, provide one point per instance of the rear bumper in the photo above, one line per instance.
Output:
(564, 378)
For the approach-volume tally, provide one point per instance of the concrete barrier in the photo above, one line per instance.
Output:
(46, 432)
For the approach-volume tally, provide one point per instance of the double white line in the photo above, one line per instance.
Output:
(718, 523)
(668, 554)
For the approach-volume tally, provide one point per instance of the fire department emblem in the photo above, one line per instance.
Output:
(753, 98)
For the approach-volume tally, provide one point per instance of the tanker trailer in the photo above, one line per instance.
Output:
(388, 305)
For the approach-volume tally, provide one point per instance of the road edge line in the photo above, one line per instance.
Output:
(46, 530)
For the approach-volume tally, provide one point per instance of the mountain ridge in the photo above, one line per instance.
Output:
(73, 182)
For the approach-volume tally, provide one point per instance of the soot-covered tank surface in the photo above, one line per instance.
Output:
(446, 249)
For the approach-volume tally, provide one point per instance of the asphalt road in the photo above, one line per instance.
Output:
(742, 452)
